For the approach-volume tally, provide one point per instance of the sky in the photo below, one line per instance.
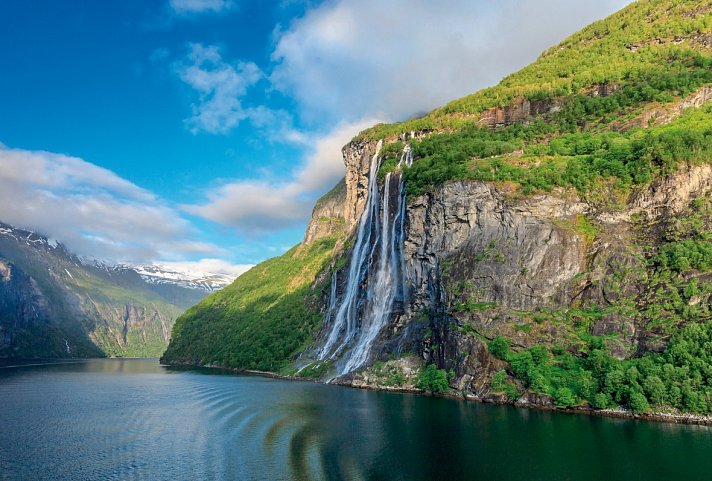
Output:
(201, 132)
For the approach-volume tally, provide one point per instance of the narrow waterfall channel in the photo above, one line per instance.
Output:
(376, 276)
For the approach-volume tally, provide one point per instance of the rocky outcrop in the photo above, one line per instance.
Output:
(357, 157)
(663, 114)
(328, 215)
(520, 110)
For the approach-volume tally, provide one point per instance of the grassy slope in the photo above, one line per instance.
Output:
(267, 315)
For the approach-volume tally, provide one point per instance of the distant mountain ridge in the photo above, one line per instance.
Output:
(205, 281)
(54, 303)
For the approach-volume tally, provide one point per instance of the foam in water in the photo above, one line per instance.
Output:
(377, 258)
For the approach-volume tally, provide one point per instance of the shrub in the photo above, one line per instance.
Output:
(564, 397)
(499, 347)
(638, 403)
(434, 380)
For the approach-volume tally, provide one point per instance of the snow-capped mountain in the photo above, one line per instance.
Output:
(27, 237)
(156, 274)
(206, 281)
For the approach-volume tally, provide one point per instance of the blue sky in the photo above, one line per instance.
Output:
(188, 130)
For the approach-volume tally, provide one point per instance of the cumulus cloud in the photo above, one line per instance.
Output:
(220, 87)
(91, 209)
(348, 60)
(263, 206)
(184, 7)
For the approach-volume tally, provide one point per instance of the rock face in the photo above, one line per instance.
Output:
(482, 260)
(520, 110)
(328, 216)
(36, 322)
(357, 157)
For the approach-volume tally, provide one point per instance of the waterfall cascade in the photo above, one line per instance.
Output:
(376, 275)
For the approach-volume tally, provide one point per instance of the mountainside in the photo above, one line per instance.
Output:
(53, 304)
(547, 241)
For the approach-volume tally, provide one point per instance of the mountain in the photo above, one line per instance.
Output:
(547, 241)
(54, 304)
(163, 275)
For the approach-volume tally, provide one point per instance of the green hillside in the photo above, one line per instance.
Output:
(652, 51)
(261, 320)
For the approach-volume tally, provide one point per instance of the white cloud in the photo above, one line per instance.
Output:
(91, 209)
(261, 206)
(220, 87)
(349, 60)
(184, 7)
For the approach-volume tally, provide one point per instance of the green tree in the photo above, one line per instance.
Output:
(638, 403)
(655, 389)
(564, 397)
(432, 379)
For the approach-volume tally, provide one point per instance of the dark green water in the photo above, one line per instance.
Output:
(135, 420)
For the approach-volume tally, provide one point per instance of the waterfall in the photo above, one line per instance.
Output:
(376, 276)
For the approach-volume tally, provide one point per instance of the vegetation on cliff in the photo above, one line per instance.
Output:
(583, 161)
(675, 305)
(678, 377)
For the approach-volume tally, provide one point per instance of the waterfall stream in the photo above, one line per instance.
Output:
(376, 275)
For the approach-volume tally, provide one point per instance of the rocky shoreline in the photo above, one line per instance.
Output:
(673, 418)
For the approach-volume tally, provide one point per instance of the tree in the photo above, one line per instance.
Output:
(602, 400)
(433, 379)
(654, 389)
(564, 397)
(638, 403)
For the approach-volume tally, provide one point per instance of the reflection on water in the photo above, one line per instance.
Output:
(133, 419)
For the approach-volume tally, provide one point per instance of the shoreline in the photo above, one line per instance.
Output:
(617, 413)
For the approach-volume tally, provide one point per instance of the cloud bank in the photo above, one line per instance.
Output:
(91, 209)
(220, 87)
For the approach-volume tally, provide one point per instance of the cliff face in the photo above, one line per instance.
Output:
(484, 261)
(28, 319)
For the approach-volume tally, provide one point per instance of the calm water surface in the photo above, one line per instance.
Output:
(136, 420)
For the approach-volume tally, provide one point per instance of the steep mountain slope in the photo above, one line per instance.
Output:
(54, 305)
(556, 244)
